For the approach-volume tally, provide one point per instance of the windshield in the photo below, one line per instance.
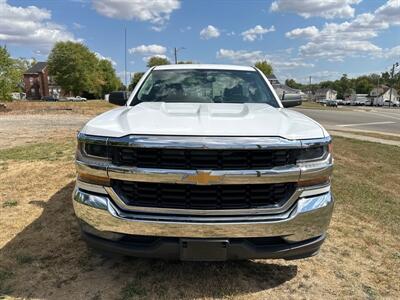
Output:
(205, 86)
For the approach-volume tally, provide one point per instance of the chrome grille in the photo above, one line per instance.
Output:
(203, 159)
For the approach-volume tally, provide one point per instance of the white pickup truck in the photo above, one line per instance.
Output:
(203, 162)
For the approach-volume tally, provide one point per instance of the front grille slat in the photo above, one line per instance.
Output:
(189, 159)
(179, 196)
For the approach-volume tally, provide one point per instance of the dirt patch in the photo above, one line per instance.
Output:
(30, 122)
(43, 256)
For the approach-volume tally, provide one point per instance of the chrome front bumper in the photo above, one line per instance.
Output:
(308, 218)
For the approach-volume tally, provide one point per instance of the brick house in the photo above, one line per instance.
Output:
(38, 83)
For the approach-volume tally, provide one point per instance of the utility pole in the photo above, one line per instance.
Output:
(126, 84)
(395, 65)
(176, 53)
(309, 88)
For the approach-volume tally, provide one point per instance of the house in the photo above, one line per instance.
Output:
(281, 89)
(325, 94)
(38, 83)
(381, 94)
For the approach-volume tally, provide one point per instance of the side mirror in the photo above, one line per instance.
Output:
(290, 100)
(118, 98)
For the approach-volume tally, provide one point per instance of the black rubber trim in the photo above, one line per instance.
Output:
(237, 249)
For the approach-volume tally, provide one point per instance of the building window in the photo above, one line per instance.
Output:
(32, 91)
(31, 80)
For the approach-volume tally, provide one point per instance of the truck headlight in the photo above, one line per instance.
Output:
(92, 147)
(97, 150)
(315, 151)
(312, 153)
(92, 153)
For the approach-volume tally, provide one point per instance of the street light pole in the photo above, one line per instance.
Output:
(391, 84)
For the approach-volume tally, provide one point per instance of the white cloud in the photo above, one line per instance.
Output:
(209, 32)
(155, 11)
(77, 25)
(392, 52)
(389, 12)
(146, 58)
(336, 41)
(148, 50)
(30, 26)
(255, 33)
(291, 64)
(306, 32)
(337, 51)
(99, 56)
(241, 56)
(244, 57)
(327, 9)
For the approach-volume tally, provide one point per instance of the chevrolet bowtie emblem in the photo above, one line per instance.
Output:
(203, 178)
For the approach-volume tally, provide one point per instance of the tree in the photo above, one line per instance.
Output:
(264, 67)
(293, 84)
(157, 61)
(9, 75)
(109, 79)
(135, 80)
(74, 67)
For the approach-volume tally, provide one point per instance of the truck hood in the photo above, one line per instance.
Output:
(204, 119)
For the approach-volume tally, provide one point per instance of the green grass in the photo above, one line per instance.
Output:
(40, 151)
(10, 203)
(4, 276)
(23, 259)
(366, 180)
(132, 290)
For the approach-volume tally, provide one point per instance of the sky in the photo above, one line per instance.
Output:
(300, 38)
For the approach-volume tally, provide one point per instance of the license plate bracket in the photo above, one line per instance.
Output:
(203, 250)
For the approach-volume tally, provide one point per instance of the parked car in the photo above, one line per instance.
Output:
(347, 102)
(207, 165)
(77, 98)
(340, 101)
(49, 98)
(322, 102)
(395, 103)
(332, 103)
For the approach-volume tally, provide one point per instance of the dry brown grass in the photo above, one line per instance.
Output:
(43, 256)
(91, 107)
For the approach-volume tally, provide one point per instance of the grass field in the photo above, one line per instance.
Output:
(42, 254)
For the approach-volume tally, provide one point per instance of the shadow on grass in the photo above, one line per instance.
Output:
(49, 260)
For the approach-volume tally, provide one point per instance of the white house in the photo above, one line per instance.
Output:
(381, 94)
(325, 94)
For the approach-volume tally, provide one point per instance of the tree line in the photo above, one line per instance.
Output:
(361, 85)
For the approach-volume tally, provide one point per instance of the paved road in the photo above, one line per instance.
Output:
(381, 120)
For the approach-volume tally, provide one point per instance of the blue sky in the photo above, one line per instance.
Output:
(318, 38)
